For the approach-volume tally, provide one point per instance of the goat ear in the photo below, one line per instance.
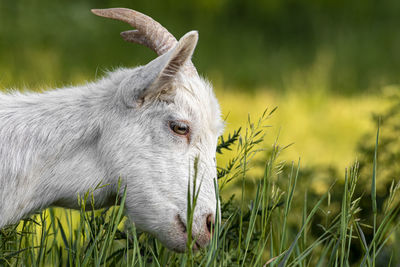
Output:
(157, 77)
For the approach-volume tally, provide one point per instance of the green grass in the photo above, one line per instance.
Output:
(267, 224)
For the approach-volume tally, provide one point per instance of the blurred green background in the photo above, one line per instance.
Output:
(324, 63)
(244, 44)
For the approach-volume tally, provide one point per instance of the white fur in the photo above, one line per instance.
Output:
(57, 144)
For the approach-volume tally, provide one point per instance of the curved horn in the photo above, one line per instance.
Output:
(148, 32)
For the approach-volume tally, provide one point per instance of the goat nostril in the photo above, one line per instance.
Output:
(210, 223)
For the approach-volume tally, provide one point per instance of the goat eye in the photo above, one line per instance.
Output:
(179, 128)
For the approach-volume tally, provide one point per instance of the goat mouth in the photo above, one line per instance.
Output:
(181, 224)
(196, 245)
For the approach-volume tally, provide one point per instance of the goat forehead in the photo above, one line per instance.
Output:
(196, 99)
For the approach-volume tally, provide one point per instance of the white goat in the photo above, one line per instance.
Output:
(145, 125)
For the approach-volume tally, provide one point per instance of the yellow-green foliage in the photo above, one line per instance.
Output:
(324, 128)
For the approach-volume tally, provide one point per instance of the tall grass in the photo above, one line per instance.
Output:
(274, 226)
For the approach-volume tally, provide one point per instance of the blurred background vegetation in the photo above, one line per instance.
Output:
(331, 66)
(243, 44)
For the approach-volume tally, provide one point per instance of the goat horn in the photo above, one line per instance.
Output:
(148, 32)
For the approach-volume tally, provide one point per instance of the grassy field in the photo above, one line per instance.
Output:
(274, 226)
